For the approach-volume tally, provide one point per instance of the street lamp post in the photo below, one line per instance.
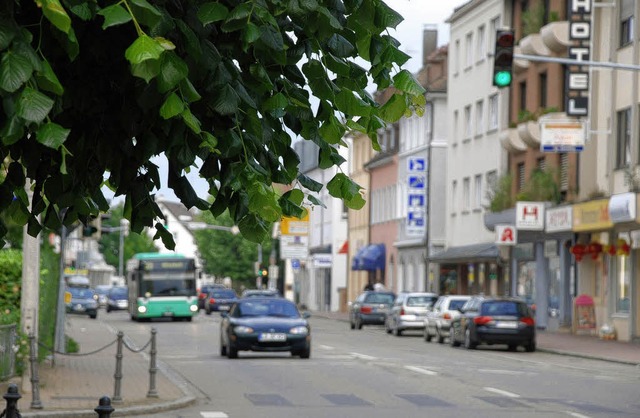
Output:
(123, 229)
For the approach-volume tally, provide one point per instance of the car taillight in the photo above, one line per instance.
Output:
(482, 320)
(365, 309)
(202, 296)
(402, 311)
(212, 301)
(446, 315)
(528, 321)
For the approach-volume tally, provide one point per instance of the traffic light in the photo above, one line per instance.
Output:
(264, 272)
(503, 58)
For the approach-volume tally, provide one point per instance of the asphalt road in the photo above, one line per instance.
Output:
(368, 373)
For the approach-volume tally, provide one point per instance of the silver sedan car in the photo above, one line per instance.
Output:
(438, 321)
(409, 311)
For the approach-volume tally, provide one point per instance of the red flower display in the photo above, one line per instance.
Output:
(578, 251)
(594, 248)
(623, 247)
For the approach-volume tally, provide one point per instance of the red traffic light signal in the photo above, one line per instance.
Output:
(503, 58)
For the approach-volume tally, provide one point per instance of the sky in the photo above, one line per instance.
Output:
(417, 14)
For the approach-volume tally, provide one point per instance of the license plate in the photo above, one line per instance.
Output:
(167, 314)
(506, 324)
(79, 308)
(270, 336)
(223, 307)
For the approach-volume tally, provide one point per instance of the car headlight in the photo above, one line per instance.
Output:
(301, 330)
(241, 329)
(193, 308)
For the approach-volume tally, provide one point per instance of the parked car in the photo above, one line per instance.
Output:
(204, 291)
(101, 291)
(494, 320)
(118, 299)
(82, 301)
(438, 320)
(261, 293)
(409, 311)
(370, 308)
(219, 300)
(265, 324)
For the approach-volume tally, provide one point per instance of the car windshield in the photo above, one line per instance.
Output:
(277, 308)
(379, 298)
(223, 294)
(456, 304)
(421, 300)
(120, 292)
(81, 292)
(502, 308)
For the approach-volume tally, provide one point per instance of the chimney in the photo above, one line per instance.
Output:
(429, 41)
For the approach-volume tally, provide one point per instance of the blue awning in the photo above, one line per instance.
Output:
(370, 257)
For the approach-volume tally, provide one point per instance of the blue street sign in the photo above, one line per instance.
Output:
(416, 181)
(417, 164)
(295, 263)
(416, 200)
(415, 218)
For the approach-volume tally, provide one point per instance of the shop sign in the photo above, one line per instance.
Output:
(506, 235)
(622, 207)
(559, 219)
(322, 260)
(523, 251)
(591, 216)
(530, 216)
(577, 79)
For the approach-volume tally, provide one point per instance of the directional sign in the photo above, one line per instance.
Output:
(416, 165)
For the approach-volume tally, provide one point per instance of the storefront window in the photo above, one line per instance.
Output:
(622, 284)
(526, 281)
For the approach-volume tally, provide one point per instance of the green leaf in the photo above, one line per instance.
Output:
(250, 34)
(172, 106)
(145, 12)
(349, 104)
(278, 101)
(172, 71)
(296, 196)
(7, 33)
(147, 70)
(52, 135)
(238, 18)
(271, 37)
(55, 13)
(332, 131)
(340, 46)
(48, 81)
(309, 183)
(142, 49)
(404, 81)
(253, 228)
(342, 187)
(189, 92)
(394, 109)
(114, 15)
(15, 70)
(165, 235)
(33, 106)
(12, 131)
(191, 121)
(212, 12)
(227, 101)
(386, 17)
(263, 201)
(209, 142)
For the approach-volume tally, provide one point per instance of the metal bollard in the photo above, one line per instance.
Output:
(35, 381)
(104, 408)
(118, 376)
(153, 393)
(12, 397)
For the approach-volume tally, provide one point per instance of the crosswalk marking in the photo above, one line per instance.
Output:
(502, 392)
(362, 356)
(421, 370)
(214, 415)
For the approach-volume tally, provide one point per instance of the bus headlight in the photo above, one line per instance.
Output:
(193, 308)
(142, 309)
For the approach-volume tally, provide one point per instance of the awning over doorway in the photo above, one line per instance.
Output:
(370, 257)
(344, 249)
(467, 253)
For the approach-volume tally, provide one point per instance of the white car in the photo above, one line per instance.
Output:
(438, 320)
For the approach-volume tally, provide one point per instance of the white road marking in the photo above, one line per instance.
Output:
(497, 371)
(502, 392)
(363, 356)
(577, 415)
(326, 347)
(421, 370)
(214, 415)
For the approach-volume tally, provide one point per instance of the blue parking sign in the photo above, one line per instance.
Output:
(417, 165)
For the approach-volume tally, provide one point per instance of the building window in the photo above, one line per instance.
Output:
(482, 46)
(467, 121)
(456, 58)
(479, 117)
(492, 184)
(454, 191)
(493, 112)
(622, 292)
(564, 171)
(428, 121)
(520, 179)
(626, 22)
(477, 191)
(469, 50)
(456, 121)
(623, 140)
(523, 96)
(466, 193)
(543, 90)
(541, 163)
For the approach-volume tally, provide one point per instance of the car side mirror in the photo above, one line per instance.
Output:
(306, 315)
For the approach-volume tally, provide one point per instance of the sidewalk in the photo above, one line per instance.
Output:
(73, 386)
(564, 343)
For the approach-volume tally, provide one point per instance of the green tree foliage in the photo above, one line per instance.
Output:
(91, 90)
(10, 285)
(226, 255)
(499, 194)
(133, 242)
(542, 186)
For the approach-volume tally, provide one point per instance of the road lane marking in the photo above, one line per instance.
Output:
(577, 415)
(502, 392)
(363, 356)
(214, 415)
(326, 347)
(421, 370)
(497, 371)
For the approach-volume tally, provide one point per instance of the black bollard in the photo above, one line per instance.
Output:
(153, 369)
(12, 396)
(117, 398)
(104, 408)
(35, 381)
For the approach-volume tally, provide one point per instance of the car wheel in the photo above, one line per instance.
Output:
(512, 347)
(352, 325)
(468, 344)
(108, 309)
(93, 316)
(358, 323)
(452, 340)
(207, 311)
(531, 347)
(427, 335)
(223, 348)
(439, 336)
(232, 352)
(306, 353)
(386, 327)
(397, 331)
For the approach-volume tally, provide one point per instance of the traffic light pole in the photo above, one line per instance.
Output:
(570, 61)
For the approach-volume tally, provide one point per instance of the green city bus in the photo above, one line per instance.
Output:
(162, 286)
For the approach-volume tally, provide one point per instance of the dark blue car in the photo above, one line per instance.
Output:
(219, 300)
